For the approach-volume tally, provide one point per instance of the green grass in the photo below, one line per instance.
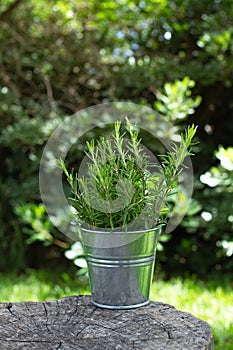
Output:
(210, 301)
(39, 286)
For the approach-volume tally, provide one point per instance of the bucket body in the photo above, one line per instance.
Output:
(120, 266)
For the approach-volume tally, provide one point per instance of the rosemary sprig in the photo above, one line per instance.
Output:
(120, 185)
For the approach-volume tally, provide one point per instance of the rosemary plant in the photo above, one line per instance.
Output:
(122, 188)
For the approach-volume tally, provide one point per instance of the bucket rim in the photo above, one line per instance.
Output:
(109, 232)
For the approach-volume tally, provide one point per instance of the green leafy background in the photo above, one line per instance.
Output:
(58, 57)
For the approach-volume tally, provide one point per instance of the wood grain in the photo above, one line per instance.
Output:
(74, 323)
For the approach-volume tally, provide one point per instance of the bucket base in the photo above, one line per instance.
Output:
(120, 307)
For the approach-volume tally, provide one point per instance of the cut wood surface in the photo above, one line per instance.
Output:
(74, 323)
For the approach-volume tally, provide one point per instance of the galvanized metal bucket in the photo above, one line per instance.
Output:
(120, 266)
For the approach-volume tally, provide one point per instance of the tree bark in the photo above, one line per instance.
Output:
(74, 323)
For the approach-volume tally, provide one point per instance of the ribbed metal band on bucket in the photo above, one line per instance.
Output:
(120, 262)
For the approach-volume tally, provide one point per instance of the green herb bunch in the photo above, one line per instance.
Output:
(122, 189)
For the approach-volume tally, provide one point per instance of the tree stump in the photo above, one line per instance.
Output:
(74, 323)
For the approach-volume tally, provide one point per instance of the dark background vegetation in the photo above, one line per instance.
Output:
(57, 57)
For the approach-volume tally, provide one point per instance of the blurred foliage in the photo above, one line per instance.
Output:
(215, 218)
(175, 103)
(39, 227)
(209, 220)
(58, 57)
(77, 255)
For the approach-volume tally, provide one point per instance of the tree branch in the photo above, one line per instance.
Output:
(9, 9)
